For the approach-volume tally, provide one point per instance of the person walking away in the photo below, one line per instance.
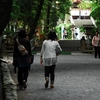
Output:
(64, 33)
(48, 58)
(96, 44)
(22, 62)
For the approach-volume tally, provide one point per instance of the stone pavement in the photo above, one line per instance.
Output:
(77, 77)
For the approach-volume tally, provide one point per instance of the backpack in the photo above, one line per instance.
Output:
(21, 48)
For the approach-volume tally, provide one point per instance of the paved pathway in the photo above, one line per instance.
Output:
(77, 78)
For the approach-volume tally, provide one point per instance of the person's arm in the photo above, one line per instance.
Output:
(15, 49)
(30, 52)
(41, 54)
(59, 46)
(14, 56)
(93, 41)
(41, 60)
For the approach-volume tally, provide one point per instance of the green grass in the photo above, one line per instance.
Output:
(34, 52)
(66, 53)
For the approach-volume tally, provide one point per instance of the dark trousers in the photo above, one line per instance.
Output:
(50, 70)
(22, 74)
(96, 51)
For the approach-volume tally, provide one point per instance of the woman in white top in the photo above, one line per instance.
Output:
(96, 44)
(48, 57)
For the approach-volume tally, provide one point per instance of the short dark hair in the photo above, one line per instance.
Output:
(97, 32)
(22, 33)
(52, 35)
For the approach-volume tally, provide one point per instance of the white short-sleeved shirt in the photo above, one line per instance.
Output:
(48, 52)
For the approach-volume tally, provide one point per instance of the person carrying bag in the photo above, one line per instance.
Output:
(48, 57)
(22, 58)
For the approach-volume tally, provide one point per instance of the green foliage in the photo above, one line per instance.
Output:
(82, 29)
(24, 12)
(58, 31)
(85, 5)
(15, 10)
(57, 10)
(69, 32)
(95, 13)
(68, 28)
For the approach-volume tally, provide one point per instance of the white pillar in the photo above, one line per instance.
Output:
(62, 28)
(72, 33)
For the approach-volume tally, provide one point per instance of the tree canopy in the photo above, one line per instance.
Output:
(95, 13)
(39, 12)
(31, 13)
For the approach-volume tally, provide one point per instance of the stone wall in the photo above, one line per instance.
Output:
(9, 87)
(70, 45)
(66, 45)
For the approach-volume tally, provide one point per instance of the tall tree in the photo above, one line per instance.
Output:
(48, 16)
(36, 19)
(5, 11)
(54, 10)
(49, 11)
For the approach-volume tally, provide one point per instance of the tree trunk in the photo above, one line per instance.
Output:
(34, 25)
(46, 29)
(4, 19)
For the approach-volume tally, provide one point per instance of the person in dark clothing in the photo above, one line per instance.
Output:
(64, 33)
(22, 62)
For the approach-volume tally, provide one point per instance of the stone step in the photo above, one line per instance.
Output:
(66, 45)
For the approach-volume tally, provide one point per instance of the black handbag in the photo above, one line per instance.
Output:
(58, 50)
